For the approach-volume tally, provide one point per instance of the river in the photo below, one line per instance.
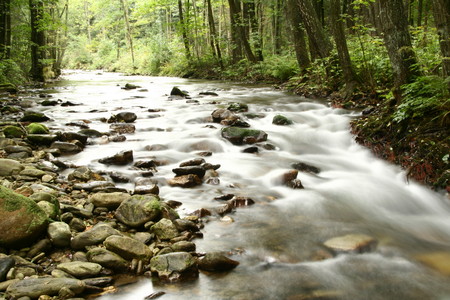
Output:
(279, 240)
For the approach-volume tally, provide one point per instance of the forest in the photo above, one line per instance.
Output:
(389, 58)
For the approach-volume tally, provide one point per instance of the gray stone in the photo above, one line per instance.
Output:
(164, 229)
(183, 246)
(80, 269)
(197, 170)
(10, 167)
(59, 233)
(6, 263)
(128, 248)
(50, 209)
(240, 136)
(170, 266)
(96, 235)
(108, 200)
(122, 158)
(138, 210)
(107, 259)
(21, 219)
(89, 186)
(42, 139)
(81, 173)
(66, 147)
(35, 287)
(32, 172)
(216, 261)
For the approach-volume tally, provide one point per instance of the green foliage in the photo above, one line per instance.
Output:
(427, 95)
(10, 72)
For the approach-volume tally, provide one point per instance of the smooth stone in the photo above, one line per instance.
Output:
(127, 117)
(240, 136)
(183, 246)
(238, 107)
(107, 259)
(128, 248)
(59, 233)
(108, 200)
(216, 261)
(122, 128)
(185, 181)
(80, 269)
(32, 116)
(51, 210)
(81, 173)
(42, 139)
(36, 128)
(281, 120)
(32, 172)
(89, 186)
(91, 133)
(353, 243)
(305, 168)
(72, 136)
(138, 210)
(6, 263)
(96, 235)
(66, 147)
(10, 167)
(21, 219)
(35, 287)
(196, 170)
(121, 158)
(164, 229)
(18, 149)
(13, 132)
(170, 266)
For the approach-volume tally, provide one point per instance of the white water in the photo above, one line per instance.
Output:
(278, 237)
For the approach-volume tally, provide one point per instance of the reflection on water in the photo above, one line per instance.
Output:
(279, 240)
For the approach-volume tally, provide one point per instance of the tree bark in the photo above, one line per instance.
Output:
(397, 40)
(184, 31)
(255, 35)
(128, 29)
(5, 29)
(337, 28)
(238, 29)
(37, 40)
(441, 12)
(298, 35)
(276, 15)
(215, 47)
(318, 40)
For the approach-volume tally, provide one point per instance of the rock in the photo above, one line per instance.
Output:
(51, 210)
(93, 185)
(107, 259)
(32, 172)
(221, 114)
(183, 246)
(238, 107)
(96, 235)
(146, 186)
(77, 224)
(37, 128)
(439, 261)
(122, 128)
(208, 94)
(164, 229)
(128, 248)
(130, 86)
(196, 170)
(49, 103)
(185, 181)
(81, 173)
(281, 120)
(99, 281)
(91, 133)
(239, 136)
(126, 117)
(216, 262)
(41, 139)
(148, 164)
(21, 220)
(59, 233)
(138, 210)
(306, 168)
(354, 243)
(73, 136)
(10, 167)
(32, 116)
(35, 287)
(17, 149)
(108, 200)
(80, 269)
(66, 147)
(241, 202)
(13, 132)
(295, 184)
(121, 158)
(193, 162)
(173, 265)
(6, 263)
(185, 225)
(177, 92)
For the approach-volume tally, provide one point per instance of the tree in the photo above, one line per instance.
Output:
(298, 34)
(184, 31)
(37, 40)
(441, 12)
(5, 29)
(215, 47)
(238, 33)
(128, 28)
(397, 40)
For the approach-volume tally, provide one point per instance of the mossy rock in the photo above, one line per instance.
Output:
(240, 136)
(37, 128)
(238, 107)
(138, 210)
(281, 120)
(41, 139)
(21, 219)
(14, 132)
(33, 116)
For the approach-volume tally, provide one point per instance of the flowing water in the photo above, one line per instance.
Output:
(279, 239)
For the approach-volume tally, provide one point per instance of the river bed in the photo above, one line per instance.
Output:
(279, 240)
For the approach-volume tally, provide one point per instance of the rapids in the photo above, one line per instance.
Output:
(279, 239)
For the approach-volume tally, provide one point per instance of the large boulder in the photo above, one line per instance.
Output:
(172, 266)
(240, 136)
(10, 167)
(108, 200)
(96, 235)
(37, 128)
(138, 210)
(35, 287)
(128, 248)
(21, 219)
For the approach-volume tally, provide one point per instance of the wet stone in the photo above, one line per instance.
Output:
(80, 269)
(353, 243)
(138, 210)
(185, 181)
(128, 248)
(122, 128)
(306, 168)
(164, 229)
(171, 266)
(216, 262)
(66, 147)
(121, 158)
(96, 235)
(196, 170)
(127, 117)
(35, 287)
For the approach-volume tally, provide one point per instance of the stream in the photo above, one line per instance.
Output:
(278, 240)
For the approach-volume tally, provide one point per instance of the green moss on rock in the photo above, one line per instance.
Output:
(13, 132)
(37, 128)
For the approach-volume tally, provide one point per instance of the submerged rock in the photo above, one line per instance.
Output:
(216, 261)
(21, 219)
(281, 120)
(121, 158)
(177, 92)
(355, 243)
(238, 107)
(240, 136)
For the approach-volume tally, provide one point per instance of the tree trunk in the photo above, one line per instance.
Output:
(37, 40)
(215, 47)
(276, 15)
(238, 29)
(128, 29)
(419, 12)
(298, 35)
(441, 12)
(5, 29)
(318, 40)
(184, 31)
(254, 29)
(337, 28)
(397, 40)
